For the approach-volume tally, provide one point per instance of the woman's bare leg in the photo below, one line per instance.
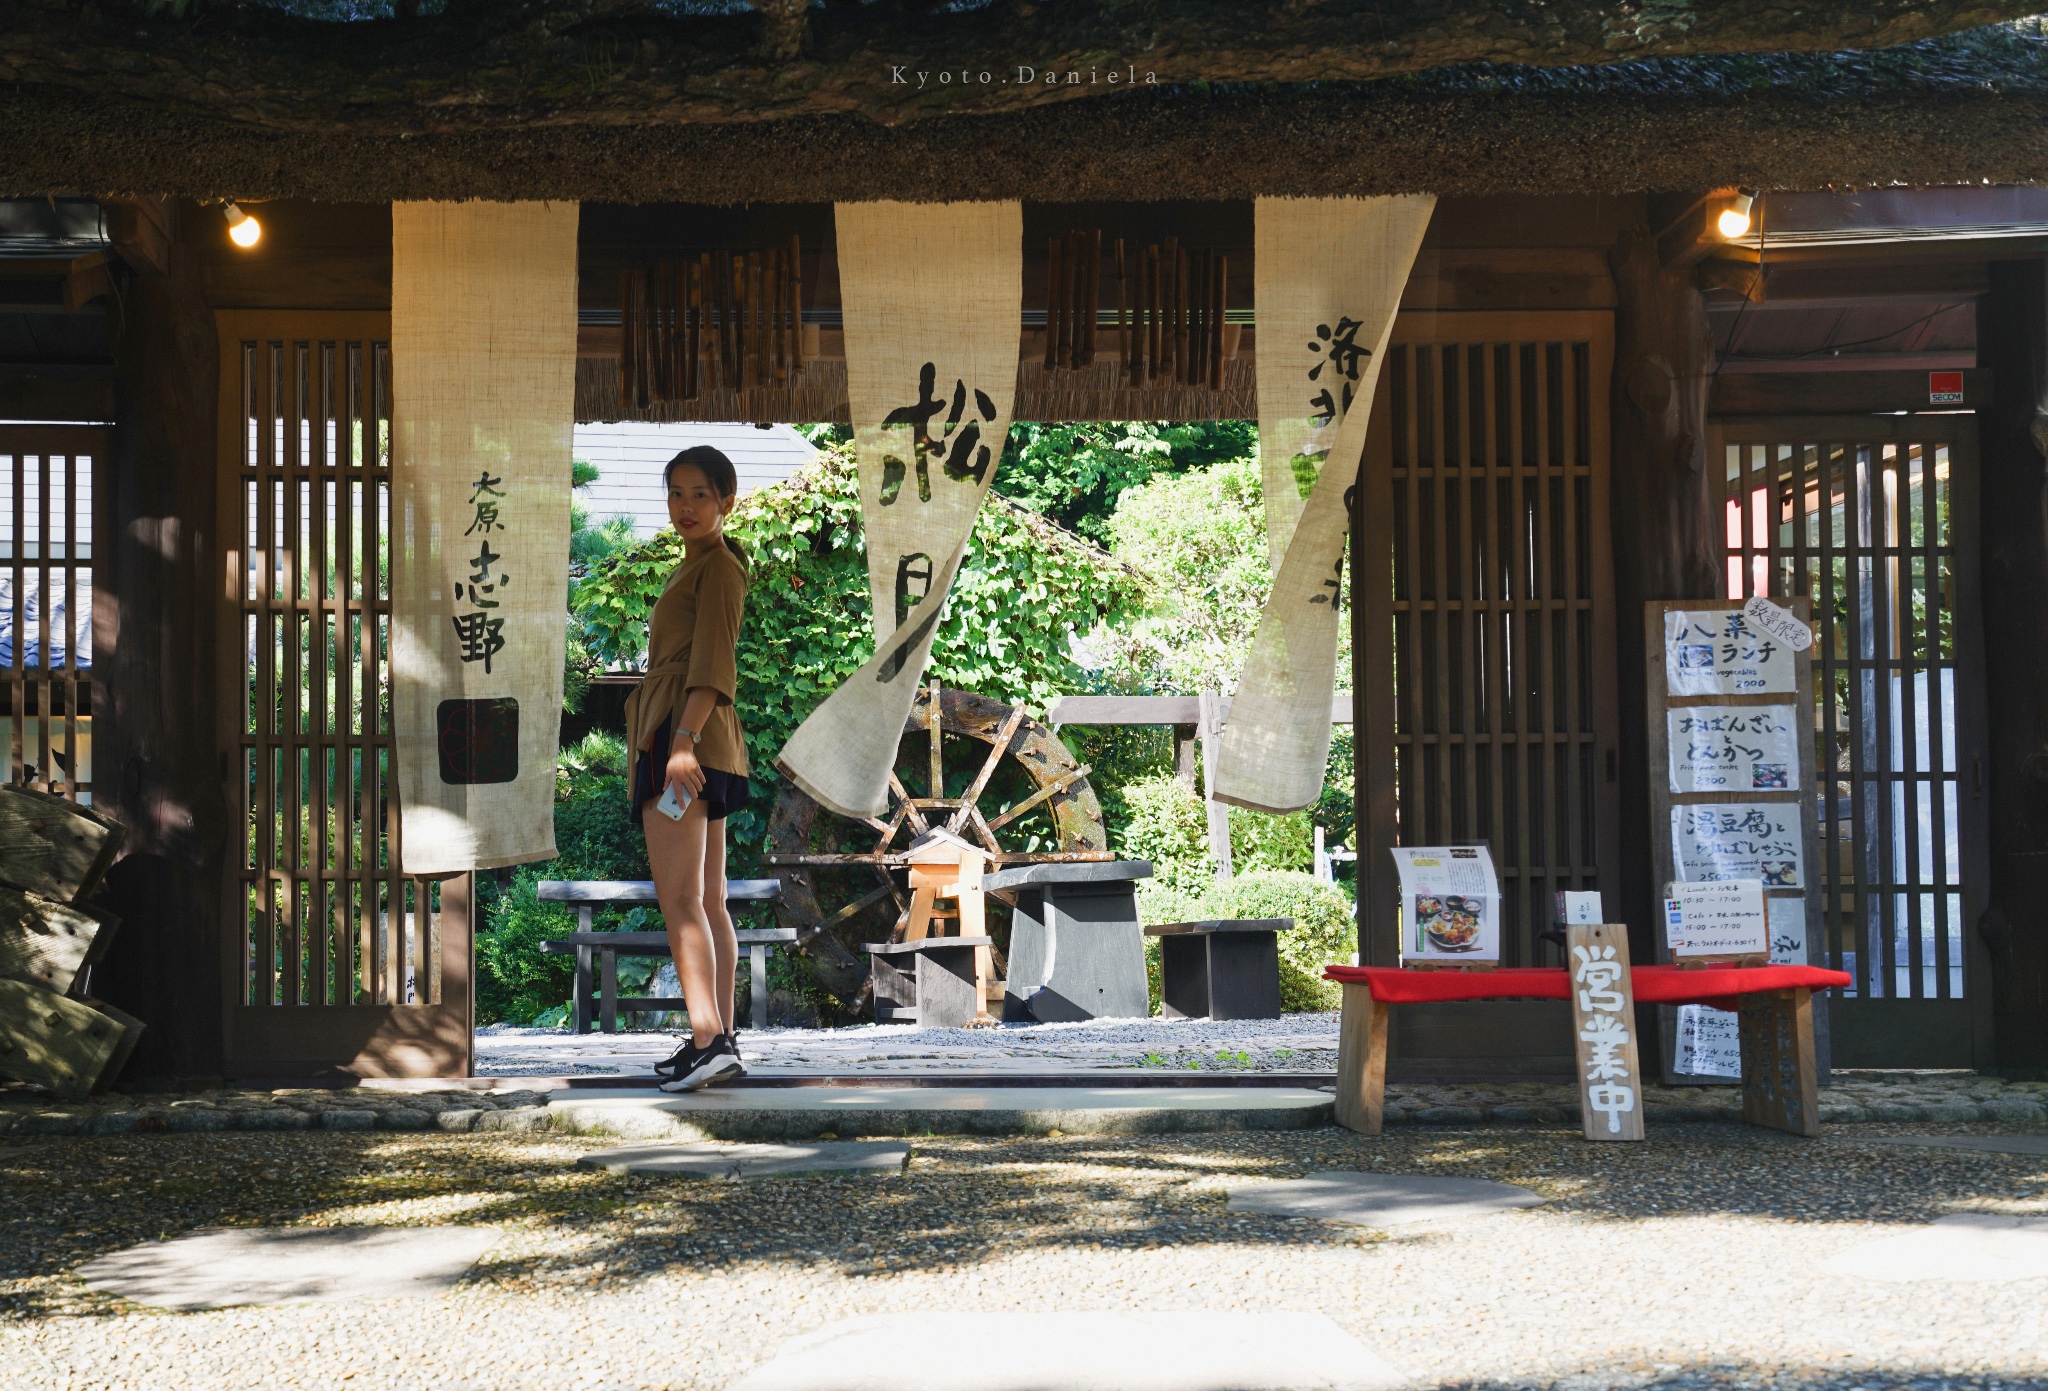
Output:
(725, 948)
(675, 850)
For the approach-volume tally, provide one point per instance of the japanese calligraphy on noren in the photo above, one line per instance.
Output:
(1739, 840)
(1719, 652)
(1604, 1029)
(1733, 748)
(479, 635)
(957, 441)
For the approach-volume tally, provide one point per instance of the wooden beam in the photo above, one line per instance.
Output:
(1173, 710)
(142, 230)
(1839, 393)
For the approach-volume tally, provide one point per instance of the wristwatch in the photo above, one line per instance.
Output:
(695, 737)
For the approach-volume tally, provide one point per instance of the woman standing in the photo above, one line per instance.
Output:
(686, 739)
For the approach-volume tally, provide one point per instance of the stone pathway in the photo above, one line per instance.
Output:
(1703, 1260)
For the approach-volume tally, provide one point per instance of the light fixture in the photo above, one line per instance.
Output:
(1734, 220)
(243, 230)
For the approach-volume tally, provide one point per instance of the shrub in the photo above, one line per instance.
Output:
(1324, 930)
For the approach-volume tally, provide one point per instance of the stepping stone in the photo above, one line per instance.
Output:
(1994, 1144)
(754, 1161)
(1075, 1352)
(1979, 1247)
(1381, 1200)
(221, 1268)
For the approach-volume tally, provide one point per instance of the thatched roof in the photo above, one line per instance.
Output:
(402, 118)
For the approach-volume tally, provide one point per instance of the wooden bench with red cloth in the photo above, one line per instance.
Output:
(1775, 1003)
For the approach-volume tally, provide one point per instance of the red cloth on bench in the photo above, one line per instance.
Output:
(1719, 986)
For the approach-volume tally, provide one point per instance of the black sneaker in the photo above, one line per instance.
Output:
(667, 1066)
(733, 1040)
(701, 1066)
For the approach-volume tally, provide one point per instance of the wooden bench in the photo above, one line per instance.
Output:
(1227, 968)
(596, 997)
(1779, 1083)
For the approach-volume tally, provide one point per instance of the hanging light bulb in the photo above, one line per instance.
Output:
(243, 230)
(1734, 220)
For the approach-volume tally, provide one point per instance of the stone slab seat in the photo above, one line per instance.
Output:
(932, 982)
(1077, 949)
(596, 999)
(1220, 968)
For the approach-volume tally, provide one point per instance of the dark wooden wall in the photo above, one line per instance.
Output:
(2013, 435)
(157, 764)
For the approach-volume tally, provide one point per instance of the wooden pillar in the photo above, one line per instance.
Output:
(2012, 340)
(157, 764)
(1662, 506)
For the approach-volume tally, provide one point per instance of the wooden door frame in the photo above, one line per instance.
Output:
(1491, 1038)
(315, 1040)
(1853, 1032)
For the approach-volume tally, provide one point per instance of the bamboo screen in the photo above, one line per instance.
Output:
(1485, 627)
(1861, 517)
(46, 501)
(309, 567)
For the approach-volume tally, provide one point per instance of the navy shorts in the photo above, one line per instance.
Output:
(723, 793)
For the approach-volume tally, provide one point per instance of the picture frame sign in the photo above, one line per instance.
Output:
(1450, 903)
(1710, 652)
(1732, 748)
(1718, 920)
(1712, 841)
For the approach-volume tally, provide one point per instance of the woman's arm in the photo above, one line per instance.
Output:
(683, 769)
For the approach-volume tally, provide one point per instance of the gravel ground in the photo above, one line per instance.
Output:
(1689, 1260)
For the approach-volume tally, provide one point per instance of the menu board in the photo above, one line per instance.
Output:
(1733, 748)
(1739, 840)
(1724, 919)
(1711, 652)
(1709, 1042)
(1450, 903)
(1788, 930)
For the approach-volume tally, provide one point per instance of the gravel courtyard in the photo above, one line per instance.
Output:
(1690, 1260)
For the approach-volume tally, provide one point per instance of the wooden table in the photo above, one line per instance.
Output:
(1779, 1088)
(944, 987)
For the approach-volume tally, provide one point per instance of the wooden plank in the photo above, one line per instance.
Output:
(1146, 710)
(53, 846)
(44, 942)
(1780, 1087)
(1604, 1030)
(1840, 393)
(53, 1041)
(1362, 1061)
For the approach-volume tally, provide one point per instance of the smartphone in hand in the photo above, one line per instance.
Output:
(671, 805)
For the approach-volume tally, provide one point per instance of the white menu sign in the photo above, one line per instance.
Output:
(1720, 652)
(1739, 840)
(1450, 903)
(1774, 622)
(1709, 1042)
(1733, 748)
(1718, 919)
(1788, 930)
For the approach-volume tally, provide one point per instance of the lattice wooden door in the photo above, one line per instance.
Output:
(46, 525)
(337, 961)
(1873, 519)
(1484, 629)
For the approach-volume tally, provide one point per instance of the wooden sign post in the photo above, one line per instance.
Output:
(1604, 1029)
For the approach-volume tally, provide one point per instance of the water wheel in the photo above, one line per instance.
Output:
(992, 775)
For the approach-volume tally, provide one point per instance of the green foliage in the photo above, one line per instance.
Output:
(593, 840)
(1168, 824)
(1076, 474)
(589, 544)
(1324, 930)
(1024, 593)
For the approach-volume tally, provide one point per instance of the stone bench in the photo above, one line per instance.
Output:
(1227, 968)
(596, 996)
(1077, 949)
(935, 982)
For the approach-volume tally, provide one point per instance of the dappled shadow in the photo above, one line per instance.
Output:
(963, 1200)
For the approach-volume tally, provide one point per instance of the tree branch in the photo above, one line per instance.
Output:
(607, 63)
